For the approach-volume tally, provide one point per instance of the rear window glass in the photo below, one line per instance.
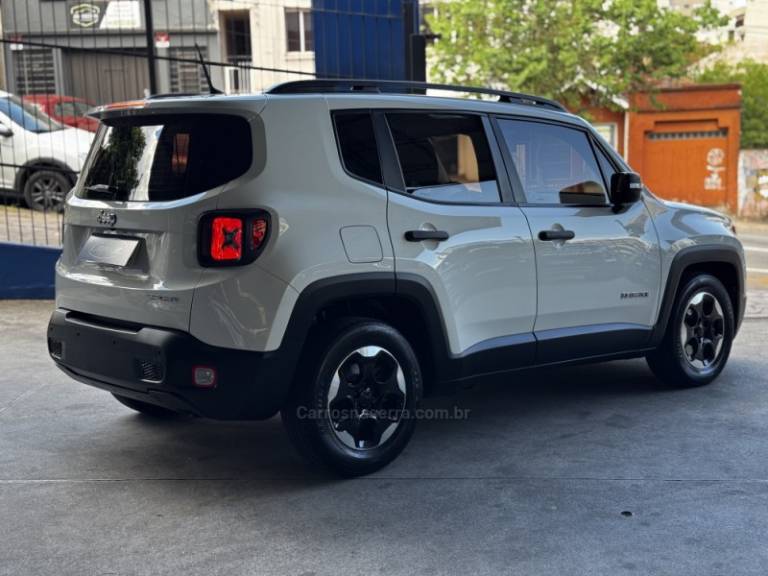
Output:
(161, 158)
(357, 144)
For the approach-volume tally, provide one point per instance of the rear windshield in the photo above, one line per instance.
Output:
(160, 158)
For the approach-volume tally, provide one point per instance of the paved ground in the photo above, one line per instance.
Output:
(29, 227)
(540, 479)
(754, 237)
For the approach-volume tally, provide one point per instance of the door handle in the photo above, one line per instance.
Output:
(421, 235)
(549, 235)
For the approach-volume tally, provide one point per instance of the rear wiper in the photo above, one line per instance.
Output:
(104, 190)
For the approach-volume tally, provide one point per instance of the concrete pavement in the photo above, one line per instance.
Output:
(754, 238)
(584, 470)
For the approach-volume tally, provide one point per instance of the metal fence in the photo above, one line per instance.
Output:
(62, 57)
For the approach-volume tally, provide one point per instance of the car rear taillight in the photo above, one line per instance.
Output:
(231, 239)
(226, 239)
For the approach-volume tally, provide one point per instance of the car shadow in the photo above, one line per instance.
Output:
(259, 453)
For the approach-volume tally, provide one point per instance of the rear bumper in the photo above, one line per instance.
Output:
(155, 365)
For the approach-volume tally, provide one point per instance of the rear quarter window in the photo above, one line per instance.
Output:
(160, 158)
(357, 145)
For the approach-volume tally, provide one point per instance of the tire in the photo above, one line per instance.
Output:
(147, 409)
(46, 190)
(699, 335)
(356, 424)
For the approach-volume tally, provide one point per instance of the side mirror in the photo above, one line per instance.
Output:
(626, 188)
(5, 131)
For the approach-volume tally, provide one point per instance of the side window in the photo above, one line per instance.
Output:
(605, 166)
(444, 157)
(555, 164)
(64, 109)
(357, 145)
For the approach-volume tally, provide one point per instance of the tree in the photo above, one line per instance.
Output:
(753, 77)
(556, 47)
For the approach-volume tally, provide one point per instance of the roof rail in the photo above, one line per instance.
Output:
(404, 87)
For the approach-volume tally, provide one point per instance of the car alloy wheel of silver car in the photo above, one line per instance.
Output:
(366, 398)
(47, 193)
(702, 330)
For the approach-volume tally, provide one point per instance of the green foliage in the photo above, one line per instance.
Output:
(554, 47)
(117, 161)
(753, 77)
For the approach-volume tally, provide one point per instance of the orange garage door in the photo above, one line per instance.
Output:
(687, 162)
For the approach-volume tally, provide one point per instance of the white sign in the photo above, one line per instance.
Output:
(715, 159)
(162, 40)
(85, 15)
(121, 14)
(17, 43)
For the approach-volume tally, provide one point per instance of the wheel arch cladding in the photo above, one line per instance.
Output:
(407, 304)
(722, 262)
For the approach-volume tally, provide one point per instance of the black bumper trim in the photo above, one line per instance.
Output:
(155, 365)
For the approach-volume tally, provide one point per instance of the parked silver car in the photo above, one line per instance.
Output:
(334, 250)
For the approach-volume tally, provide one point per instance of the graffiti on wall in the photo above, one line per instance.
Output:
(753, 183)
(714, 178)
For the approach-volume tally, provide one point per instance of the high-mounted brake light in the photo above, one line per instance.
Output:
(232, 238)
(125, 104)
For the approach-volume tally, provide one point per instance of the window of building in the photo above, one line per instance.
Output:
(237, 37)
(298, 30)
(444, 157)
(186, 75)
(357, 145)
(34, 71)
(609, 132)
(556, 164)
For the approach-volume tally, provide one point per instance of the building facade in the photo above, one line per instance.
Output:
(97, 49)
(683, 140)
(264, 43)
(745, 34)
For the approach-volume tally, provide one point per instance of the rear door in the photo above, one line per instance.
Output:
(598, 267)
(130, 242)
(452, 223)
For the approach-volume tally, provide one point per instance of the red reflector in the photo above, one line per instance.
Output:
(258, 233)
(226, 238)
(204, 376)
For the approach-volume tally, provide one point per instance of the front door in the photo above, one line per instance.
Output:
(451, 223)
(598, 267)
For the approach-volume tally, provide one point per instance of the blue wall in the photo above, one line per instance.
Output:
(27, 271)
(361, 39)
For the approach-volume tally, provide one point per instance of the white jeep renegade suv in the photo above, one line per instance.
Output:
(333, 250)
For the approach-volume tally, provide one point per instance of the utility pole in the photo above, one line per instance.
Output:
(415, 43)
(150, 33)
